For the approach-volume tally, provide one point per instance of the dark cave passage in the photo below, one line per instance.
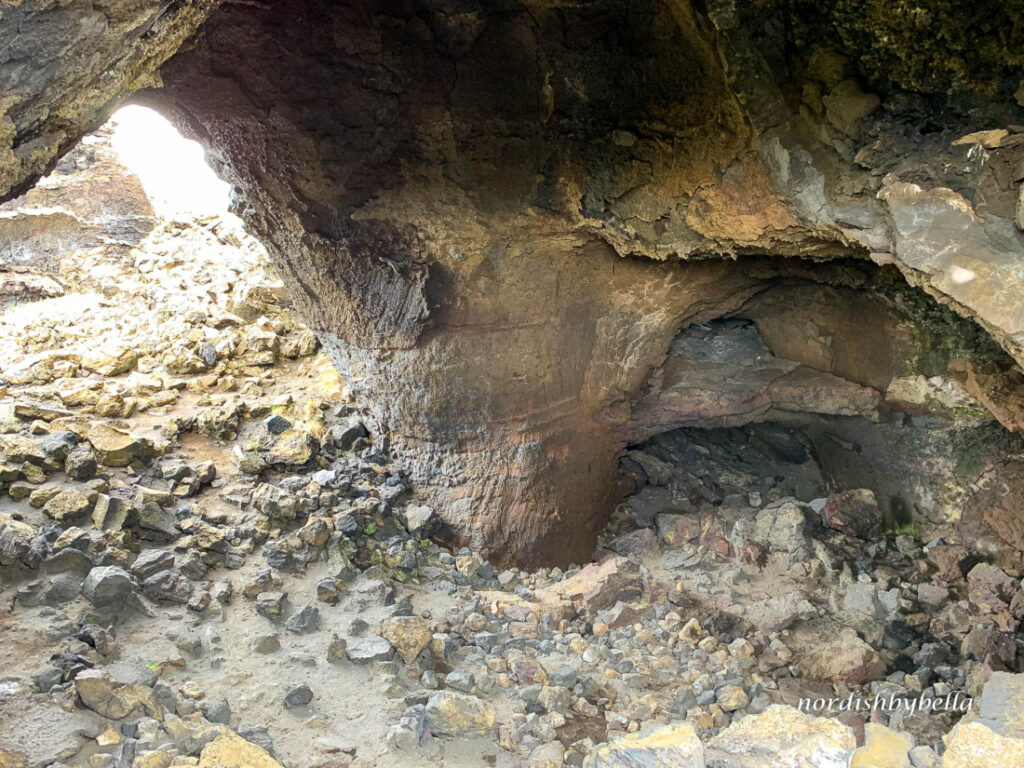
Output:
(811, 389)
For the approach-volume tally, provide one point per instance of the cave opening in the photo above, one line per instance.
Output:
(511, 227)
(832, 379)
(135, 177)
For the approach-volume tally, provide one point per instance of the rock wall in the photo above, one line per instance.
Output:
(89, 200)
(498, 217)
(66, 65)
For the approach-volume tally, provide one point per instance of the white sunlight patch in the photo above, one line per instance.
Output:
(172, 169)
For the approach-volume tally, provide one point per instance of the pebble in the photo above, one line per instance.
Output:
(298, 697)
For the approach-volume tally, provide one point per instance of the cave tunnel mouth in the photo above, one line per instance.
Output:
(925, 448)
(173, 170)
(132, 177)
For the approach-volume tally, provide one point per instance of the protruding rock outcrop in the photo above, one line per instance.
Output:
(67, 65)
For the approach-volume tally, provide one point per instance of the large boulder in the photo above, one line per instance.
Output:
(667, 746)
(780, 736)
(458, 714)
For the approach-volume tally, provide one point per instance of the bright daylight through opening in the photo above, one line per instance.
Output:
(172, 169)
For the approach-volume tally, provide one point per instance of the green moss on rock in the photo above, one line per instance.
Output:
(938, 334)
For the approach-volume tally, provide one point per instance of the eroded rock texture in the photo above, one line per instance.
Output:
(65, 65)
(498, 216)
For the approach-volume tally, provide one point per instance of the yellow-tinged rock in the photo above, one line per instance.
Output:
(98, 692)
(111, 360)
(230, 750)
(109, 738)
(115, 447)
(669, 746)
(519, 609)
(409, 634)
(19, 537)
(193, 728)
(883, 748)
(156, 758)
(10, 760)
(783, 736)
(599, 585)
(460, 715)
(974, 745)
(294, 447)
(843, 657)
(992, 139)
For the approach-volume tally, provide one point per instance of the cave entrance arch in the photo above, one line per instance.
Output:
(476, 211)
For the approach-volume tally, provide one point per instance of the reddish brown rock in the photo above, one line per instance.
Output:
(1017, 605)
(1000, 391)
(674, 530)
(620, 615)
(991, 646)
(998, 504)
(845, 657)
(989, 588)
(600, 585)
(855, 513)
(639, 543)
(947, 558)
(932, 595)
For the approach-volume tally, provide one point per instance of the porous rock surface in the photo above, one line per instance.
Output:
(492, 217)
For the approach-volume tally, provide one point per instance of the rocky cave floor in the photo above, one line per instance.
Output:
(205, 559)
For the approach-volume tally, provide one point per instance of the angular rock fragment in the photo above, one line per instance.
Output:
(855, 513)
(108, 585)
(368, 648)
(458, 715)
(67, 506)
(408, 634)
(975, 744)
(298, 697)
(670, 746)
(114, 447)
(98, 691)
(232, 751)
(990, 588)
(781, 736)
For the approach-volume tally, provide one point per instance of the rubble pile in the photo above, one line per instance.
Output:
(207, 559)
